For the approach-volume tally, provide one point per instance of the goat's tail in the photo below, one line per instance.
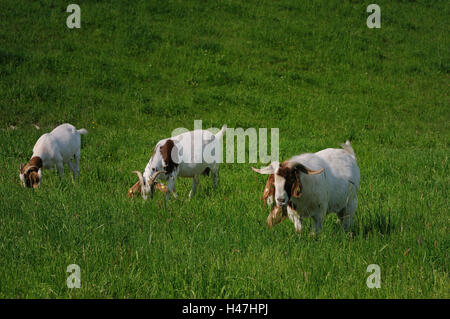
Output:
(220, 134)
(82, 131)
(348, 148)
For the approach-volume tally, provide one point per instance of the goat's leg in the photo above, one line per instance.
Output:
(72, 168)
(195, 181)
(318, 222)
(346, 214)
(174, 192)
(60, 168)
(298, 224)
(318, 214)
(77, 163)
(296, 219)
(346, 218)
(170, 186)
(215, 177)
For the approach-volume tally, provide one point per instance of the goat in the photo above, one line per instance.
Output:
(313, 185)
(58, 147)
(179, 156)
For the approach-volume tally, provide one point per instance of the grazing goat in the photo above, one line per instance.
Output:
(58, 147)
(189, 154)
(313, 185)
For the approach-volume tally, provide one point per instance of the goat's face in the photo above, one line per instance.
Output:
(287, 182)
(137, 189)
(146, 187)
(30, 174)
(158, 172)
(30, 179)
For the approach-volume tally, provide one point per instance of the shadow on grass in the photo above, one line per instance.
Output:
(375, 224)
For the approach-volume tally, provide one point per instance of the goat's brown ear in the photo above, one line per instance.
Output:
(269, 188)
(297, 187)
(136, 188)
(161, 187)
(21, 167)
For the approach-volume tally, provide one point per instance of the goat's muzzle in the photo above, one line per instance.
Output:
(137, 187)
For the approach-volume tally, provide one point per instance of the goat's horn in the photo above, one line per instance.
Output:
(141, 179)
(315, 172)
(155, 174)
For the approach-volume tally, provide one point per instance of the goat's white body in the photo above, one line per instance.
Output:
(59, 147)
(331, 188)
(186, 168)
(190, 164)
(335, 190)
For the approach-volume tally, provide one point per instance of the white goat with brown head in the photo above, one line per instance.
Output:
(56, 148)
(313, 185)
(189, 154)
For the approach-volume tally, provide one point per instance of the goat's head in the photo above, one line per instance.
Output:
(162, 163)
(136, 188)
(145, 187)
(164, 159)
(286, 181)
(31, 173)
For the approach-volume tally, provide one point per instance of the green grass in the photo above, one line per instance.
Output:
(136, 71)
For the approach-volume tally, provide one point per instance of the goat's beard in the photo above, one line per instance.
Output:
(276, 216)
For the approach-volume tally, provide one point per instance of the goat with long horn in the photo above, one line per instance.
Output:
(313, 185)
(179, 156)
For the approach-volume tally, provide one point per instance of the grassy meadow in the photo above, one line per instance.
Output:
(137, 70)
